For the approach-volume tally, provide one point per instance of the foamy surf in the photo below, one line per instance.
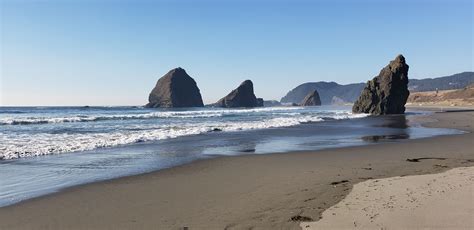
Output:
(28, 120)
(40, 135)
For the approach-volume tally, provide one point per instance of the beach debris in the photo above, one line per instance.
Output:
(425, 158)
(441, 166)
(386, 93)
(301, 218)
(215, 130)
(368, 168)
(248, 150)
(339, 182)
(377, 138)
(366, 178)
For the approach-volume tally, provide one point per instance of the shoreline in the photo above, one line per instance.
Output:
(247, 178)
(297, 138)
(416, 120)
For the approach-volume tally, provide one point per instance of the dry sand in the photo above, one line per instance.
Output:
(242, 192)
(434, 201)
(456, 97)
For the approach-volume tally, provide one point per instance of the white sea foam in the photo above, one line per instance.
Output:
(45, 120)
(24, 145)
(341, 116)
(170, 124)
(150, 115)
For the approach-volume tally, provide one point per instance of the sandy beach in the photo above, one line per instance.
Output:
(433, 201)
(252, 115)
(271, 191)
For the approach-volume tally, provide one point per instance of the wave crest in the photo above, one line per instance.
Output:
(44, 143)
(151, 115)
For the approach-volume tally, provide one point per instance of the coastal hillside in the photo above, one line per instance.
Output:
(334, 93)
(455, 81)
(456, 97)
(329, 92)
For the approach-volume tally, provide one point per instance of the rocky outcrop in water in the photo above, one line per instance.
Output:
(312, 99)
(175, 89)
(388, 92)
(243, 96)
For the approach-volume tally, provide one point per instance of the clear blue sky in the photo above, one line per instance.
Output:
(105, 52)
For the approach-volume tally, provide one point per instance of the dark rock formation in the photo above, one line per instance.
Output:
(388, 92)
(311, 99)
(243, 96)
(260, 102)
(175, 89)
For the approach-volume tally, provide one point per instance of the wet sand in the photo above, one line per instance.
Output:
(242, 192)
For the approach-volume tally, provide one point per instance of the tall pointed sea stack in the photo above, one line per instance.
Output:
(243, 96)
(312, 99)
(175, 89)
(388, 92)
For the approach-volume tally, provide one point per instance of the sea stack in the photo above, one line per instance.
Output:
(312, 99)
(388, 92)
(243, 96)
(175, 89)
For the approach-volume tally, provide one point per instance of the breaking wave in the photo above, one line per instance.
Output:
(151, 115)
(170, 124)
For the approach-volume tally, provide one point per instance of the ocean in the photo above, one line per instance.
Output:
(46, 149)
